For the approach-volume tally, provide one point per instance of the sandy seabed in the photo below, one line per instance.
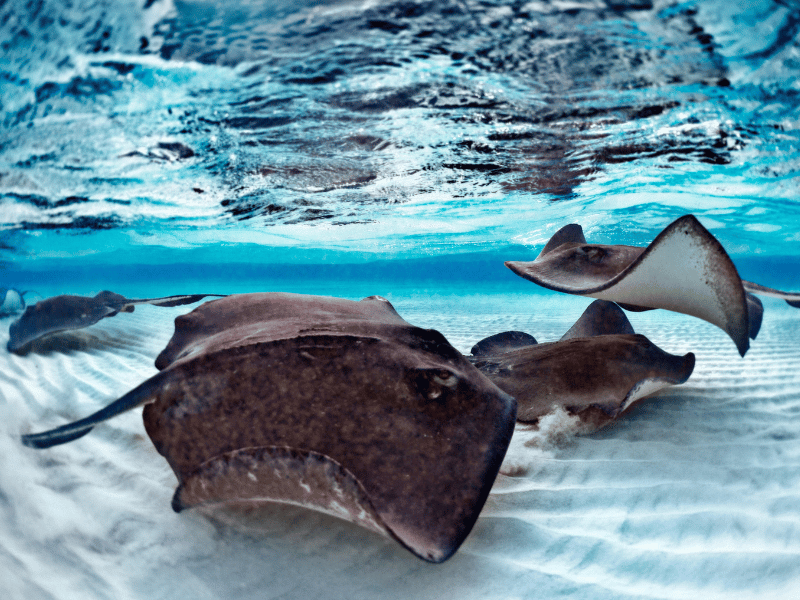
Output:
(694, 494)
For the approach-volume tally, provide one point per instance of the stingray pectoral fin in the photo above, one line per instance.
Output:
(792, 298)
(252, 476)
(72, 431)
(672, 371)
(682, 370)
(686, 269)
(755, 312)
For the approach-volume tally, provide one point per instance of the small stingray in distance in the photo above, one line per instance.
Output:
(11, 301)
(596, 371)
(64, 313)
(332, 404)
(685, 269)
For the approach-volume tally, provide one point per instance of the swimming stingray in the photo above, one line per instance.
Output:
(336, 405)
(598, 369)
(62, 313)
(685, 269)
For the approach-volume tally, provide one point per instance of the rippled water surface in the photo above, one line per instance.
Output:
(402, 148)
(395, 128)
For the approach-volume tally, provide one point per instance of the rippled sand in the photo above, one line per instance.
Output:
(694, 494)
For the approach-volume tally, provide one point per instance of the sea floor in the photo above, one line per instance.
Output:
(694, 494)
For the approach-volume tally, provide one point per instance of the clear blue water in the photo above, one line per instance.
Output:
(407, 149)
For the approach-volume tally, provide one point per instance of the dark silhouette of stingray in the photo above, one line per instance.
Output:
(64, 313)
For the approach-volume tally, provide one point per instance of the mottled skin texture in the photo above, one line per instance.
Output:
(582, 266)
(404, 418)
(251, 318)
(589, 377)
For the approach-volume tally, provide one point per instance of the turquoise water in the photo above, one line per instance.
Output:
(404, 149)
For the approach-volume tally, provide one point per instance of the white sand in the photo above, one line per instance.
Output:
(695, 494)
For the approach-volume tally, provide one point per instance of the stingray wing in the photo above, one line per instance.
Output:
(252, 476)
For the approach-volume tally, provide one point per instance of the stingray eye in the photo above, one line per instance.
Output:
(434, 384)
(445, 378)
(593, 254)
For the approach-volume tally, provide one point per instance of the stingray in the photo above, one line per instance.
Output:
(11, 301)
(332, 404)
(685, 269)
(63, 313)
(596, 371)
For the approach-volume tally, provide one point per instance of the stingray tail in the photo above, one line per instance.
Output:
(169, 301)
(792, 298)
(72, 431)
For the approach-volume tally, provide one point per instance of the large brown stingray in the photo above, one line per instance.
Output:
(336, 405)
(685, 269)
(596, 371)
(64, 313)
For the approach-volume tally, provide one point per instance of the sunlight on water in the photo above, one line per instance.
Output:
(443, 122)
